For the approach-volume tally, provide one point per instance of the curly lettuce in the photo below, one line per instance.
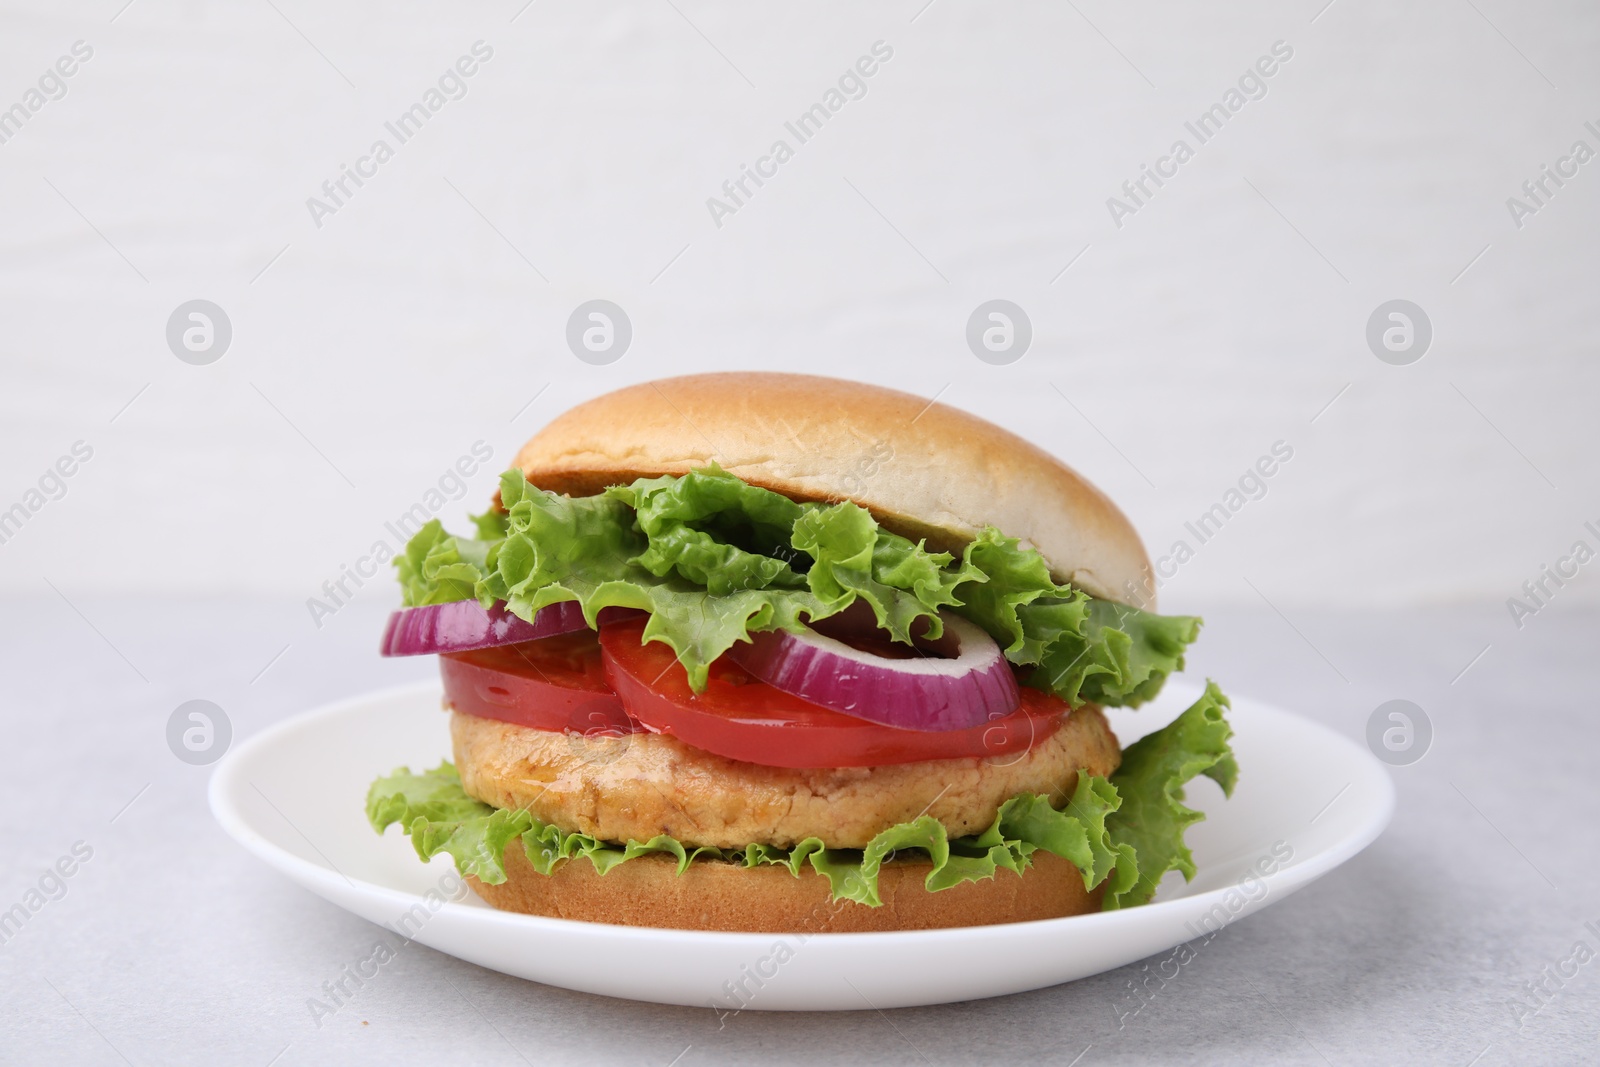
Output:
(1152, 817)
(714, 559)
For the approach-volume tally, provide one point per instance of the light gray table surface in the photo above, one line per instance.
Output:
(172, 945)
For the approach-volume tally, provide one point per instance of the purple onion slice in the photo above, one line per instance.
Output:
(463, 625)
(972, 685)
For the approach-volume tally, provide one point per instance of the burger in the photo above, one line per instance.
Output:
(782, 653)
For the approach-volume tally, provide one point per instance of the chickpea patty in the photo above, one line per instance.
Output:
(641, 785)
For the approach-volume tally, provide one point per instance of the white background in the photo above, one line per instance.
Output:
(1214, 322)
(369, 354)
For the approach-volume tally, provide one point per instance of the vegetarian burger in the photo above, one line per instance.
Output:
(772, 652)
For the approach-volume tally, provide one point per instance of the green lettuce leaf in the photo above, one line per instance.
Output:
(693, 527)
(1121, 657)
(715, 559)
(439, 816)
(1087, 649)
(436, 568)
(852, 557)
(1010, 593)
(1152, 817)
(589, 549)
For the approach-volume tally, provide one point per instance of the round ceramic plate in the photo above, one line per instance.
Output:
(1307, 800)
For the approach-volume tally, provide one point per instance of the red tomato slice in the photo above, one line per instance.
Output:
(744, 719)
(555, 683)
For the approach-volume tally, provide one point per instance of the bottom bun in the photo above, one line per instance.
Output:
(715, 895)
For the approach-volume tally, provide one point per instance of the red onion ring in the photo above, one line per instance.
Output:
(922, 693)
(463, 625)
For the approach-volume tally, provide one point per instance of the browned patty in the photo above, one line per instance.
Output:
(635, 787)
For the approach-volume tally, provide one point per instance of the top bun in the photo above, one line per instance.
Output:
(923, 469)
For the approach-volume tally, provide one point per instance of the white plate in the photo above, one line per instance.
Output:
(295, 796)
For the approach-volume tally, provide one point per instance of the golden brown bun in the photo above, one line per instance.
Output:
(640, 785)
(924, 470)
(648, 891)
